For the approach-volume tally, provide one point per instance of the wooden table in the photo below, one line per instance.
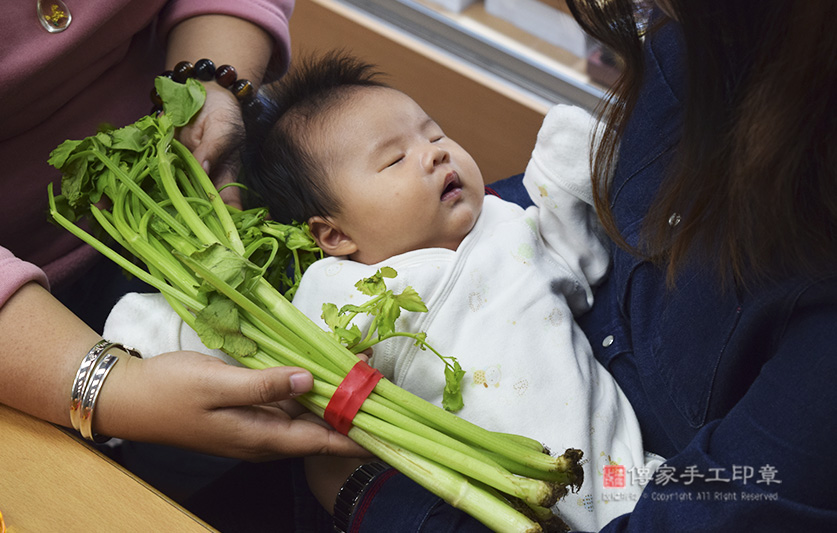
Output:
(52, 481)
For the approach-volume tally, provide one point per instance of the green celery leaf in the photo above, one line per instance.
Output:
(58, 157)
(248, 221)
(64, 209)
(350, 337)
(135, 137)
(181, 101)
(351, 308)
(409, 300)
(297, 252)
(235, 270)
(374, 285)
(105, 139)
(337, 322)
(452, 396)
(78, 166)
(218, 327)
(388, 313)
(421, 340)
(295, 236)
(73, 182)
(331, 316)
(76, 180)
(299, 238)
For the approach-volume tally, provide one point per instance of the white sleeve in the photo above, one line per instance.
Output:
(147, 322)
(558, 180)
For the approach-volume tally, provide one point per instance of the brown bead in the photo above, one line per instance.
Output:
(155, 98)
(225, 75)
(204, 69)
(182, 72)
(243, 91)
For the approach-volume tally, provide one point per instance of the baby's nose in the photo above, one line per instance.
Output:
(437, 156)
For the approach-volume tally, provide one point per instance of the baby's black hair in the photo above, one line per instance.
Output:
(278, 167)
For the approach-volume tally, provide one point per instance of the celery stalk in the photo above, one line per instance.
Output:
(452, 487)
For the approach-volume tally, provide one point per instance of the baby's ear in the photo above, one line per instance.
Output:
(329, 237)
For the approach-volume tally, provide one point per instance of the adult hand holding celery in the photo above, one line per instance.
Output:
(224, 271)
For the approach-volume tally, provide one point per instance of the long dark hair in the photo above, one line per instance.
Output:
(755, 173)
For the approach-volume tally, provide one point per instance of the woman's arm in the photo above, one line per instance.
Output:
(224, 39)
(41, 347)
(184, 398)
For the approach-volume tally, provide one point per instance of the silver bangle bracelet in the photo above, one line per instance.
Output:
(83, 377)
(88, 382)
(88, 402)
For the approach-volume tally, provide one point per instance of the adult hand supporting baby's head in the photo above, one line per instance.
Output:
(213, 135)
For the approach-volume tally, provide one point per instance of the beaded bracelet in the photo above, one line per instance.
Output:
(204, 70)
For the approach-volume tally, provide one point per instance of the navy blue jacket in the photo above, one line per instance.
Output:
(737, 390)
(737, 387)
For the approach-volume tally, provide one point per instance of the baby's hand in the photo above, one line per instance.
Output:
(365, 355)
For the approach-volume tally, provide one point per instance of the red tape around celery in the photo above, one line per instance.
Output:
(350, 395)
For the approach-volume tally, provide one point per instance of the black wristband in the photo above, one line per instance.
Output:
(351, 491)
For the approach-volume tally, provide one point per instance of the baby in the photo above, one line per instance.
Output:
(363, 164)
(380, 184)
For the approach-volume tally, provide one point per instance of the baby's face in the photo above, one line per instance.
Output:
(401, 184)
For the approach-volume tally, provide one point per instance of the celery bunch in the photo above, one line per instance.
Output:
(224, 271)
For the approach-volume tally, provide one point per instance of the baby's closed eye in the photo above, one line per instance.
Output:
(395, 161)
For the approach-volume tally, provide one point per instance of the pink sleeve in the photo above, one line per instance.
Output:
(15, 273)
(270, 15)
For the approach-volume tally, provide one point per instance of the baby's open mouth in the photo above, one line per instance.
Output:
(452, 187)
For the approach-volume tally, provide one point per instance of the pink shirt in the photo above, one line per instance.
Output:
(62, 86)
